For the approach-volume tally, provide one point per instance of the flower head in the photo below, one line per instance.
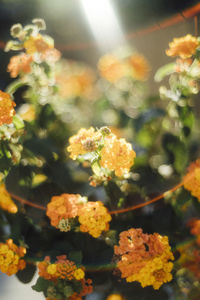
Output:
(184, 47)
(94, 218)
(10, 258)
(144, 258)
(6, 203)
(62, 207)
(117, 155)
(139, 67)
(6, 108)
(36, 44)
(19, 64)
(191, 180)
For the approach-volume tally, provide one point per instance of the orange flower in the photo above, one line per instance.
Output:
(6, 108)
(195, 228)
(61, 207)
(144, 258)
(19, 63)
(191, 180)
(6, 202)
(184, 47)
(10, 258)
(83, 142)
(94, 218)
(36, 44)
(139, 66)
(117, 155)
(111, 68)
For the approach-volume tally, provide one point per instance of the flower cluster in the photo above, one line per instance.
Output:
(191, 180)
(6, 108)
(113, 68)
(10, 258)
(144, 258)
(184, 47)
(109, 152)
(19, 64)
(6, 203)
(195, 229)
(94, 218)
(65, 270)
(62, 207)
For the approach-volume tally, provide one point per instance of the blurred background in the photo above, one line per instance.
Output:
(85, 30)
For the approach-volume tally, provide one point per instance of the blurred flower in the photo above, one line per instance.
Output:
(36, 44)
(19, 64)
(144, 258)
(184, 47)
(61, 207)
(6, 108)
(10, 254)
(111, 68)
(94, 218)
(195, 228)
(6, 202)
(117, 155)
(27, 112)
(191, 180)
(115, 297)
(139, 67)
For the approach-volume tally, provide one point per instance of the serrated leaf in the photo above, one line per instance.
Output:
(164, 71)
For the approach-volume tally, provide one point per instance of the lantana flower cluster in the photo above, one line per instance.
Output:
(104, 150)
(6, 202)
(144, 258)
(191, 180)
(6, 108)
(64, 274)
(113, 68)
(92, 216)
(10, 258)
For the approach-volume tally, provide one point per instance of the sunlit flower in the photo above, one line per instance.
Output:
(6, 202)
(117, 155)
(10, 258)
(6, 108)
(144, 258)
(36, 44)
(191, 180)
(62, 207)
(184, 47)
(83, 142)
(139, 66)
(27, 112)
(94, 218)
(79, 274)
(111, 68)
(19, 64)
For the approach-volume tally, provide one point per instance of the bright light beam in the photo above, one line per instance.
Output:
(103, 23)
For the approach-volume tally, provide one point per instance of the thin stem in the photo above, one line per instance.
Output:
(24, 201)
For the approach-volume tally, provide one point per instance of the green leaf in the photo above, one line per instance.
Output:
(18, 122)
(41, 285)
(164, 71)
(27, 274)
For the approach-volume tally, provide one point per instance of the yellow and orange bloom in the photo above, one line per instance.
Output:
(61, 207)
(191, 180)
(94, 218)
(83, 142)
(139, 67)
(184, 47)
(6, 202)
(36, 44)
(19, 64)
(144, 258)
(10, 258)
(6, 108)
(117, 155)
(111, 68)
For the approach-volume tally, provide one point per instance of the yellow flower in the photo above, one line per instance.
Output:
(6, 203)
(36, 44)
(117, 155)
(184, 47)
(115, 297)
(51, 269)
(79, 274)
(84, 141)
(6, 108)
(139, 67)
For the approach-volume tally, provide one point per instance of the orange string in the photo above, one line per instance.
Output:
(157, 198)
